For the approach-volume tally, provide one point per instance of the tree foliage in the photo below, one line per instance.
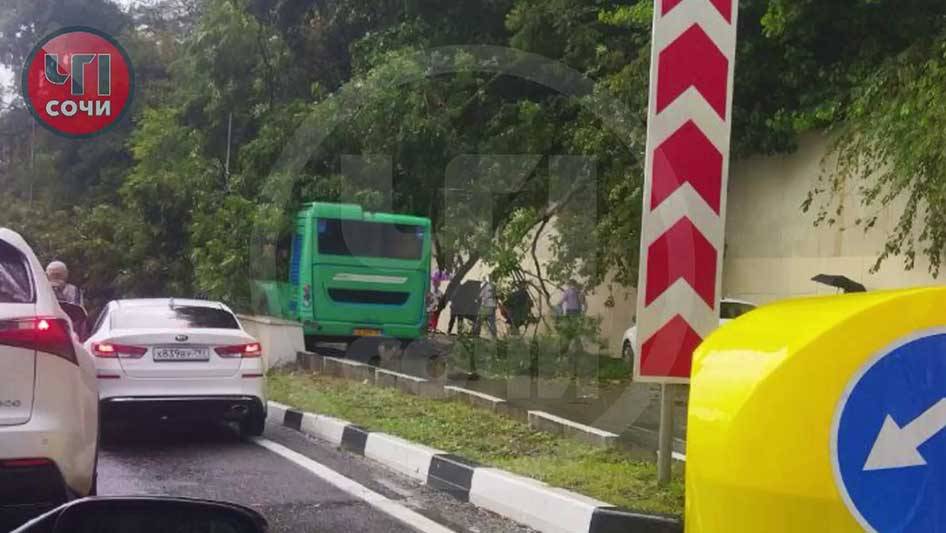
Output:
(888, 134)
(170, 201)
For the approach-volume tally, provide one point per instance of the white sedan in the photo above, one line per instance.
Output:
(178, 359)
(729, 309)
(49, 416)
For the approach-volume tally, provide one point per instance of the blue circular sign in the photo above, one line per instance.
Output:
(889, 438)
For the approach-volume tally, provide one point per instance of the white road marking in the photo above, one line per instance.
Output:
(396, 510)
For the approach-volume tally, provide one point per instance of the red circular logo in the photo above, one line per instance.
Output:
(78, 82)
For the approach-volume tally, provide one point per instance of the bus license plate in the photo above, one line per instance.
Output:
(367, 332)
(180, 354)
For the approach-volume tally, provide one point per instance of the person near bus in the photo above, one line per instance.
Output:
(434, 301)
(58, 274)
(573, 301)
(571, 307)
(463, 305)
(487, 311)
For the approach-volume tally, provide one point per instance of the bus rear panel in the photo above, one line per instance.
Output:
(360, 274)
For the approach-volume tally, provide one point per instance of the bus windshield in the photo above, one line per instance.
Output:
(356, 238)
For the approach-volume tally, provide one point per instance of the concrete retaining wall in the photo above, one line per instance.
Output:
(281, 339)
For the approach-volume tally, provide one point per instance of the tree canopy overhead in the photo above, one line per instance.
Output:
(157, 206)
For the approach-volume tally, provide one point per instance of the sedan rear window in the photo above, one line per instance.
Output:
(16, 285)
(177, 317)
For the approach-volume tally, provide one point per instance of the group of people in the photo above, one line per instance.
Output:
(572, 303)
(479, 306)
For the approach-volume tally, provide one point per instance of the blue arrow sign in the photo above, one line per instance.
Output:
(889, 442)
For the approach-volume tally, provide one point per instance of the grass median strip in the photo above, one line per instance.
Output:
(486, 437)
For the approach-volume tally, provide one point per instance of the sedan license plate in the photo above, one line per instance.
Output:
(181, 354)
(367, 332)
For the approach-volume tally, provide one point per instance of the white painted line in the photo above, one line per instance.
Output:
(398, 375)
(487, 397)
(572, 424)
(345, 362)
(379, 502)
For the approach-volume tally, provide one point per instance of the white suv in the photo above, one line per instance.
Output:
(49, 415)
(178, 359)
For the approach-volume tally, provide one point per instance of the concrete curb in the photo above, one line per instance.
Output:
(550, 423)
(476, 399)
(343, 368)
(648, 437)
(407, 383)
(539, 420)
(527, 501)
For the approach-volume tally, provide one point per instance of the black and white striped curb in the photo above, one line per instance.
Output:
(527, 501)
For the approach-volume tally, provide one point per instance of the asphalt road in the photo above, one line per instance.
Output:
(212, 461)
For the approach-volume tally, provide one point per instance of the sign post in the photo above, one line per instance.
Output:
(686, 169)
(665, 434)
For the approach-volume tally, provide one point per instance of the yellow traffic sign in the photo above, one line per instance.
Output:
(821, 414)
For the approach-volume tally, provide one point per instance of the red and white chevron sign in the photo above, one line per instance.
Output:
(687, 167)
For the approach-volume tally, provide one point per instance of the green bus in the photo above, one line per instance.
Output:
(355, 274)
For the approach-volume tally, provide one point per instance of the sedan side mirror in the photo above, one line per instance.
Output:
(80, 319)
(148, 515)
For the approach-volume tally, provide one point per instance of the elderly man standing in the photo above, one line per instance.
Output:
(58, 275)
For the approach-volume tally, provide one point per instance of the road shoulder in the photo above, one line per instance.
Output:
(391, 483)
(524, 500)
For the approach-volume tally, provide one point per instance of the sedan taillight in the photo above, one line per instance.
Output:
(108, 350)
(44, 334)
(25, 463)
(244, 351)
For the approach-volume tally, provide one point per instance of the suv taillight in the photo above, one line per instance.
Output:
(25, 463)
(108, 350)
(245, 351)
(44, 334)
